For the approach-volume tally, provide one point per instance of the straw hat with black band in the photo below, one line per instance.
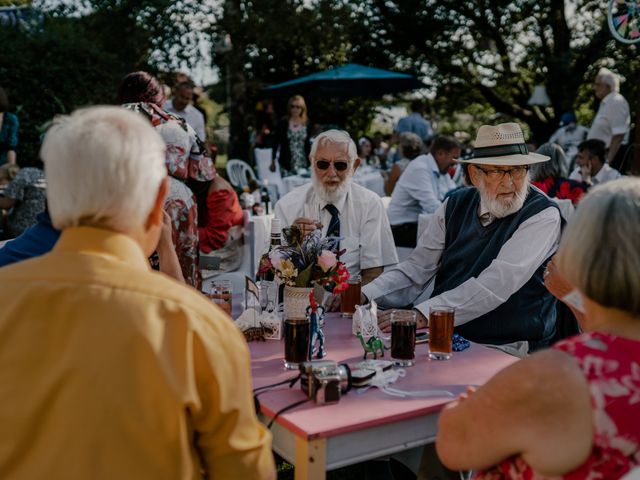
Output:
(502, 145)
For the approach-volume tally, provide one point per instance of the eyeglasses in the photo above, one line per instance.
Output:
(339, 165)
(516, 173)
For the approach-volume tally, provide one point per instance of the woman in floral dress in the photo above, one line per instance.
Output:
(293, 142)
(572, 411)
(186, 159)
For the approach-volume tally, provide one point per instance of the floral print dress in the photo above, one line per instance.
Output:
(297, 136)
(611, 366)
(185, 158)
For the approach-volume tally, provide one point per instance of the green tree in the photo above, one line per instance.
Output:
(502, 49)
(275, 40)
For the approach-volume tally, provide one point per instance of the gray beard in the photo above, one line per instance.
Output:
(330, 196)
(499, 209)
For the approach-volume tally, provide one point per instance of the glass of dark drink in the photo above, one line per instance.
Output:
(221, 294)
(441, 332)
(296, 342)
(351, 296)
(403, 337)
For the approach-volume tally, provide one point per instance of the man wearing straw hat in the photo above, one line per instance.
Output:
(486, 249)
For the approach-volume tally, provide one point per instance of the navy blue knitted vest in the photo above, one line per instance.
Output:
(529, 314)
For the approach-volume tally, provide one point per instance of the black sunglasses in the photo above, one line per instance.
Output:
(339, 166)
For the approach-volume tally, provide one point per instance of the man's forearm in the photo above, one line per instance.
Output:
(616, 140)
(169, 263)
(370, 274)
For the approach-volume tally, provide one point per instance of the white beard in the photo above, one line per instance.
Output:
(501, 209)
(331, 195)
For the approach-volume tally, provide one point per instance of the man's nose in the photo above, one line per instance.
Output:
(332, 170)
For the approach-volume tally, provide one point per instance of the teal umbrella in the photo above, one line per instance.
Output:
(351, 80)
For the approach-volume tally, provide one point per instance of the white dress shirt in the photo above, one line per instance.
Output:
(605, 174)
(420, 189)
(191, 115)
(363, 224)
(569, 138)
(612, 119)
(535, 240)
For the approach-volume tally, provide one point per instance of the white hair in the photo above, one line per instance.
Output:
(609, 78)
(335, 136)
(599, 251)
(103, 167)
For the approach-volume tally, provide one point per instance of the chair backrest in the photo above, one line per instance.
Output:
(239, 173)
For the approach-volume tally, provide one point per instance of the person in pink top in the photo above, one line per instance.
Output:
(572, 411)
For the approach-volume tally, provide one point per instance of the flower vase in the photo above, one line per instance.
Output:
(296, 301)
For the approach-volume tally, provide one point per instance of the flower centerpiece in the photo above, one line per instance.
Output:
(305, 261)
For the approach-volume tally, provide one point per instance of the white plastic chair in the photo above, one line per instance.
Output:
(239, 173)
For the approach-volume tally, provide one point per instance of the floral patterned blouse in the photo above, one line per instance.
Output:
(297, 136)
(186, 154)
(611, 366)
(29, 189)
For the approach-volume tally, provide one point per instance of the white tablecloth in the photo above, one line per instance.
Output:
(261, 236)
(366, 176)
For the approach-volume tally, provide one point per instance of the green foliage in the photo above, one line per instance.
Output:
(501, 49)
(54, 71)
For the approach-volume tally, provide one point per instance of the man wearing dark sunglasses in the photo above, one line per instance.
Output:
(485, 249)
(340, 207)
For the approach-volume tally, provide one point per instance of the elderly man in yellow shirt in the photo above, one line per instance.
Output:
(109, 370)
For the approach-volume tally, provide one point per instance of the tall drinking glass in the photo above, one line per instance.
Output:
(403, 337)
(296, 342)
(221, 294)
(351, 296)
(441, 332)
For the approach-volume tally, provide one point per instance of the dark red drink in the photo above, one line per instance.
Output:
(441, 333)
(296, 342)
(351, 296)
(403, 340)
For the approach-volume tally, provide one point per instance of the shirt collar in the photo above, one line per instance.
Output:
(599, 177)
(99, 241)
(607, 97)
(431, 161)
(483, 213)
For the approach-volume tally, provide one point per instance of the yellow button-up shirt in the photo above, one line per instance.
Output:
(111, 371)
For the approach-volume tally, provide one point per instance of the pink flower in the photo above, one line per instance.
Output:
(327, 260)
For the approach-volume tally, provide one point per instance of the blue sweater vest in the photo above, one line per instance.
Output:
(529, 314)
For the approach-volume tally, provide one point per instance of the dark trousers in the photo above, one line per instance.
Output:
(405, 235)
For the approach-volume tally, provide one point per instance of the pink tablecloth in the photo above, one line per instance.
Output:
(355, 411)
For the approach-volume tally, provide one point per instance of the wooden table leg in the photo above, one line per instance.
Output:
(311, 459)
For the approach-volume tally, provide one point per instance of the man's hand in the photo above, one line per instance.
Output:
(307, 225)
(272, 167)
(165, 242)
(585, 173)
(384, 320)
